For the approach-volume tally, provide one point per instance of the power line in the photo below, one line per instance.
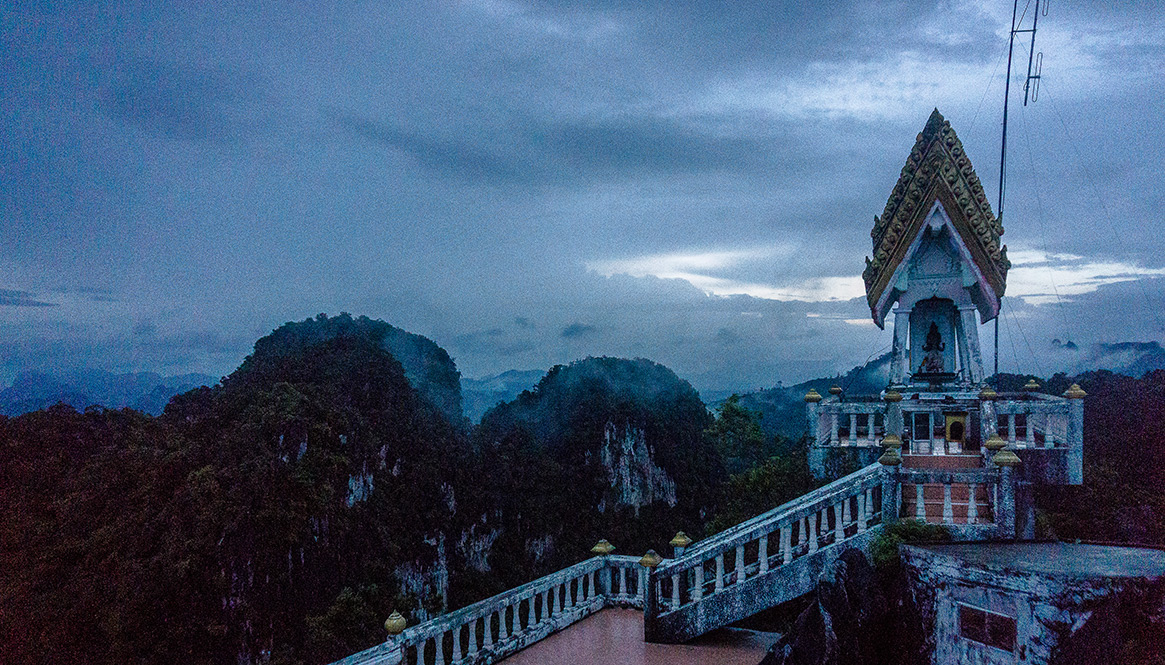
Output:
(1088, 178)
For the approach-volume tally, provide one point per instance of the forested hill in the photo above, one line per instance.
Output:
(603, 447)
(281, 515)
(269, 519)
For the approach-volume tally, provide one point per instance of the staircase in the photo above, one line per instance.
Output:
(758, 564)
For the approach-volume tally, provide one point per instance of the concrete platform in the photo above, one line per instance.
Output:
(616, 636)
(1060, 559)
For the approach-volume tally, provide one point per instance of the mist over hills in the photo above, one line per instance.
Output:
(143, 391)
(481, 395)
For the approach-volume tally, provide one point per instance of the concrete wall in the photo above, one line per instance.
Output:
(1046, 606)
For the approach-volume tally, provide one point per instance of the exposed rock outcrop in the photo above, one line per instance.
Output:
(844, 623)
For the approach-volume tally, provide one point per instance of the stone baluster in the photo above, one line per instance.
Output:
(812, 532)
(641, 588)
(719, 572)
(833, 425)
(1011, 428)
(487, 637)
(919, 502)
(554, 606)
(698, 586)
(786, 542)
(948, 508)
(762, 555)
(853, 429)
(972, 504)
(622, 581)
(740, 572)
(861, 516)
(1029, 430)
(472, 650)
(839, 517)
(457, 645)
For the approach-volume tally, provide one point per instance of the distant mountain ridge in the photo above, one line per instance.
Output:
(147, 392)
(481, 395)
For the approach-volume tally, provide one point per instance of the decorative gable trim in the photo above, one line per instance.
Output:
(936, 170)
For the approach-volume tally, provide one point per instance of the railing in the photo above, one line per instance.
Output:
(1034, 423)
(825, 516)
(850, 423)
(496, 627)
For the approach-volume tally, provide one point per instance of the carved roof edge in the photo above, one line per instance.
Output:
(937, 169)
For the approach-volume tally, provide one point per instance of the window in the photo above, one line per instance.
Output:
(994, 630)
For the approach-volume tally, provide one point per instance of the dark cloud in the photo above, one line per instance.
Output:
(174, 100)
(563, 151)
(575, 330)
(22, 299)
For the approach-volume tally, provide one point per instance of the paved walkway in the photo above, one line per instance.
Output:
(615, 636)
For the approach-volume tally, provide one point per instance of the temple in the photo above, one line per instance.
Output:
(938, 444)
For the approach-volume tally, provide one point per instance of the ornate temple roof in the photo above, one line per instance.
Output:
(937, 170)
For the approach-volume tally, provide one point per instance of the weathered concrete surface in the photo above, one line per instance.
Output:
(616, 636)
(848, 613)
(1050, 590)
(755, 594)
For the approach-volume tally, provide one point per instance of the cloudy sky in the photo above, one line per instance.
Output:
(531, 183)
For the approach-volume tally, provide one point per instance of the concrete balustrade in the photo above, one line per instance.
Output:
(490, 630)
(809, 517)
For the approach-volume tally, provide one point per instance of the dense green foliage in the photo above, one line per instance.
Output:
(884, 547)
(601, 448)
(280, 516)
(240, 524)
(1123, 495)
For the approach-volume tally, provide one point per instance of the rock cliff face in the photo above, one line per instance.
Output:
(846, 622)
(635, 478)
(627, 438)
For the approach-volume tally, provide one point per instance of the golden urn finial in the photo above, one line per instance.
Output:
(1031, 385)
(1005, 458)
(892, 395)
(1075, 392)
(835, 389)
(651, 559)
(988, 393)
(680, 540)
(395, 623)
(994, 442)
(812, 396)
(603, 548)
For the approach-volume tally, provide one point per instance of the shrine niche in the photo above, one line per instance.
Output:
(932, 339)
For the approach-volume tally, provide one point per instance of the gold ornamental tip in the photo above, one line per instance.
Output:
(681, 540)
(987, 393)
(395, 624)
(812, 396)
(603, 548)
(1006, 458)
(1031, 385)
(651, 559)
(835, 390)
(994, 442)
(1075, 392)
(892, 395)
(890, 457)
(892, 441)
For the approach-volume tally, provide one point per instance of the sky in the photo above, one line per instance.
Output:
(528, 184)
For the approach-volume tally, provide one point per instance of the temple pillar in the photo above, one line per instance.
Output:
(898, 360)
(968, 336)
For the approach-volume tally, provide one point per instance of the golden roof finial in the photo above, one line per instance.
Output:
(603, 548)
(680, 540)
(651, 559)
(1075, 392)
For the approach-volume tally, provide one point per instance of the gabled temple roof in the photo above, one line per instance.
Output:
(937, 170)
